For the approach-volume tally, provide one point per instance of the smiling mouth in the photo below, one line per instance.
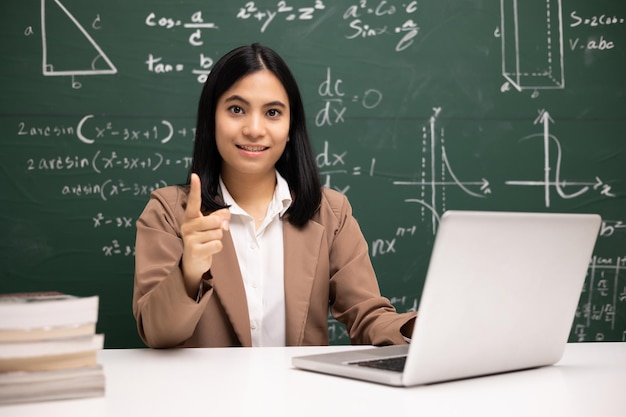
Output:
(252, 148)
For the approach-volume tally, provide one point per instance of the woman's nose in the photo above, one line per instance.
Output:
(254, 127)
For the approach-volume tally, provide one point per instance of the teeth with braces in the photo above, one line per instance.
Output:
(252, 148)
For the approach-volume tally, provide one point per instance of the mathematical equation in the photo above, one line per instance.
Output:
(363, 20)
(119, 222)
(602, 301)
(250, 11)
(331, 163)
(157, 64)
(196, 25)
(368, 21)
(90, 130)
(100, 162)
(334, 97)
(115, 248)
(109, 189)
(599, 41)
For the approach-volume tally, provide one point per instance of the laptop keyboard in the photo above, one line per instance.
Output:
(395, 363)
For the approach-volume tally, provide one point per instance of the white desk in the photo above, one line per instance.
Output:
(589, 381)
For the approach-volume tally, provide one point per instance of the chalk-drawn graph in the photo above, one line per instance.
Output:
(436, 174)
(89, 58)
(532, 44)
(552, 178)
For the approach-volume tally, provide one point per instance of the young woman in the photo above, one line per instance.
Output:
(253, 251)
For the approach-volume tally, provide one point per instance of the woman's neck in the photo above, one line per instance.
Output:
(252, 193)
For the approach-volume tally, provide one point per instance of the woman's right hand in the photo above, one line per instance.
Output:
(202, 237)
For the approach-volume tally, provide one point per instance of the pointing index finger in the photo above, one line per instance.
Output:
(194, 199)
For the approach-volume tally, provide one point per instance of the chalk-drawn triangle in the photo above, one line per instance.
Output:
(60, 32)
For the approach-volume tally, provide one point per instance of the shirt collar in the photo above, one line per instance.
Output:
(279, 205)
(282, 194)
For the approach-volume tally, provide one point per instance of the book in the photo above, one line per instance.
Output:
(54, 354)
(46, 333)
(49, 347)
(46, 315)
(22, 387)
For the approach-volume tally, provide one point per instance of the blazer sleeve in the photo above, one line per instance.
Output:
(166, 316)
(355, 298)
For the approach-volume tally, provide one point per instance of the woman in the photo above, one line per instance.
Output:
(253, 251)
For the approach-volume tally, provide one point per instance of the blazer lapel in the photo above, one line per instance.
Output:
(228, 284)
(301, 252)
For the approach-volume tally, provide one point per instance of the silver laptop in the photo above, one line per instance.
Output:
(500, 295)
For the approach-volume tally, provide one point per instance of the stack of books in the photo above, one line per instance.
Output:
(49, 347)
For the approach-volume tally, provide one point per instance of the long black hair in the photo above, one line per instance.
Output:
(297, 163)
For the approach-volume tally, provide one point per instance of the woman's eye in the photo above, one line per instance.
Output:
(236, 109)
(273, 113)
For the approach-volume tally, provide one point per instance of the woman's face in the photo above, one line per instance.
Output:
(252, 125)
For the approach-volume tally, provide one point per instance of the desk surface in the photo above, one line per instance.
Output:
(588, 381)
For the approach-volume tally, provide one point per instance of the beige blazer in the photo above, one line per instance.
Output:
(327, 265)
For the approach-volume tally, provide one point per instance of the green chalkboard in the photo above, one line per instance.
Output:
(415, 107)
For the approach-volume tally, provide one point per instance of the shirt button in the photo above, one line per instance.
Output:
(253, 245)
(253, 325)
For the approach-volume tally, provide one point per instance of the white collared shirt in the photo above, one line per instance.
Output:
(260, 255)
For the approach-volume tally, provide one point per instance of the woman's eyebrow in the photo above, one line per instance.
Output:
(236, 97)
(276, 103)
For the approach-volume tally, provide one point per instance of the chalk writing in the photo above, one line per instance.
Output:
(597, 41)
(153, 162)
(337, 332)
(331, 163)
(371, 20)
(595, 20)
(610, 227)
(101, 162)
(283, 9)
(603, 299)
(598, 44)
(157, 65)
(120, 222)
(385, 246)
(160, 65)
(88, 132)
(45, 131)
(196, 22)
(110, 188)
(334, 107)
(117, 249)
(404, 303)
